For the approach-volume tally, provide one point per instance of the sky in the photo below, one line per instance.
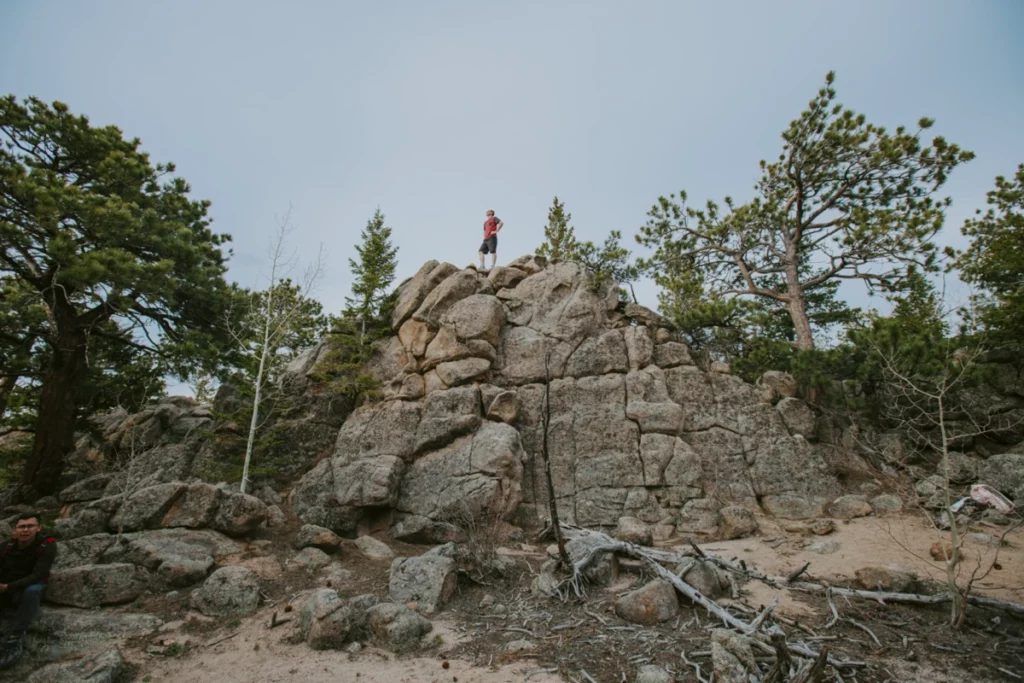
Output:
(436, 111)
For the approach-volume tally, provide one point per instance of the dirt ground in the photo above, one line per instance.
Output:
(583, 640)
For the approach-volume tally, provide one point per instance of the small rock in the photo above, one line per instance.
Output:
(650, 673)
(869, 488)
(517, 646)
(737, 522)
(982, 539)
(499, 609)
(311, 559)
(632, 530)
(824, 547)
(353, 647)
(721, 367)
(276, 516)
(885, 504)
(487, 601)
(239, 514)
(991, 516)
(653, 603)
(334, 577)
(941, 550)
(228, 592)
(429, 580)
(662, 532)
(849, 507)
(374, 549)
(731, 657)
(311, 535)
(703, 576)
(822, 527)
(325, 620)
(892, 578)
(396, 626)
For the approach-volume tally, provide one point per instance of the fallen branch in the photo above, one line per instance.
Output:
(882, 597)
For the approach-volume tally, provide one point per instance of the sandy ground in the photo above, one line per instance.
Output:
(901, 540)
(258, 654)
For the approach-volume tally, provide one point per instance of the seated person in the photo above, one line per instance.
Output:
(25, 563)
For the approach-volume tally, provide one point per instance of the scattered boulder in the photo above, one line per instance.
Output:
(892, 578)
(374, 549)
(632, 530)
(702, 575)
(1004, 473)
(427, 580)
(311, 559)
(239, 514)
(311, 535)
(326, 620)
(849, 507)
(93, 585)
(603, 569)
(651, 604)
(886, 504)
(103, 666)
(822, 527)
(732, 657)
(195, 509)
(146, 508)
(396, 626)
(228, 592)
(736, 522)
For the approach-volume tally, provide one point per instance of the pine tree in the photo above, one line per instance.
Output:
(845, 200)
(373, 273)
(559, 236)
(114, 248)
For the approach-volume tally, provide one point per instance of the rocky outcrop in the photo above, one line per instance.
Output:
(637, 430)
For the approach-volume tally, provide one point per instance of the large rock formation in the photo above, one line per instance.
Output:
(636, 429)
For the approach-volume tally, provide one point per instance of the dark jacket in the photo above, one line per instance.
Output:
(23, 567)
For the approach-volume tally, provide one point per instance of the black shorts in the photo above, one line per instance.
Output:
(490, 245)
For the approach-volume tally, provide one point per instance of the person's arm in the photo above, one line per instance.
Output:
(42, 569)
(497, 228)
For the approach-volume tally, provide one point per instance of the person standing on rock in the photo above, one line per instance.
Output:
(25, 563)
(490, 245)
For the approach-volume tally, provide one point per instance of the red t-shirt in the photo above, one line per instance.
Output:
(491, 226)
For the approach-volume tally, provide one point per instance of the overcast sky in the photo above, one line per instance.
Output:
(437, 111)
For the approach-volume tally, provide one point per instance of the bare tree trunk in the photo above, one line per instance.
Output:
(957, 611)
(563, 556)
(259, 388)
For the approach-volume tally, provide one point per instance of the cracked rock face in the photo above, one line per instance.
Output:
(636, 428)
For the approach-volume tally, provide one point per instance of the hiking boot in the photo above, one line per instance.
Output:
(11, 652)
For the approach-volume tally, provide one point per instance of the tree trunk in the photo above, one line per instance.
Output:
(797, 304)
(801, 323)
(6, 387)
(55, 423)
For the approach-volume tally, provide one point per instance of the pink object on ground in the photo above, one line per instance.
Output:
(986, 495)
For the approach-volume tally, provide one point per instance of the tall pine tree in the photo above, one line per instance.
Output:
(373, 273)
